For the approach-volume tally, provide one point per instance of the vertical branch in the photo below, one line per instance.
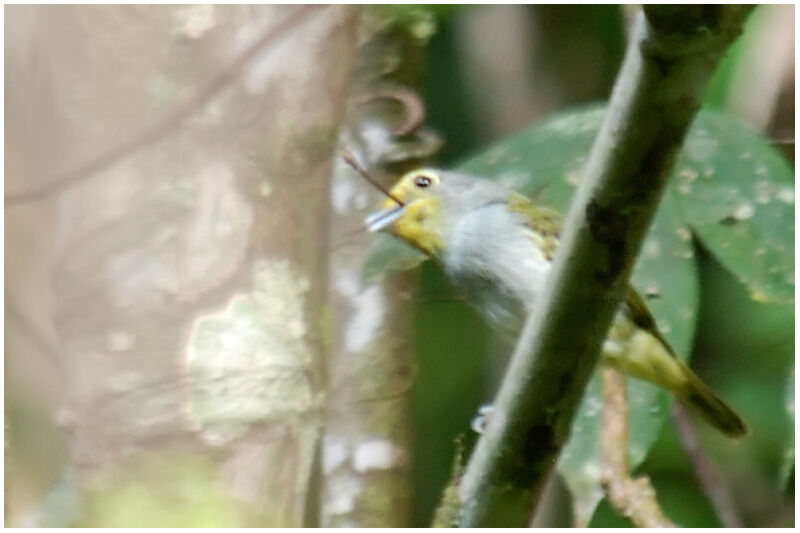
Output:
(671, 56)
(633, 498)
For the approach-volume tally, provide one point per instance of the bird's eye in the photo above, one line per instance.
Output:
(422, 181)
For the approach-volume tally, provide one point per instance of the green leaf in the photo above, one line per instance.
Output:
(737, 194)
(547, 161)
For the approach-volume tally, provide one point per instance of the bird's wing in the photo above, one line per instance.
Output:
(545, 226)
(637, 311)
(543, 222)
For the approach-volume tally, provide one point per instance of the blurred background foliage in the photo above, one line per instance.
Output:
(493, 71)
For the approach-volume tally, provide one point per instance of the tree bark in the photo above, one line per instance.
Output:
(189, 271)
(366, 455)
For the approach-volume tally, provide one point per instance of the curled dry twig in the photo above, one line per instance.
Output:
(633, 497)
(413, 106)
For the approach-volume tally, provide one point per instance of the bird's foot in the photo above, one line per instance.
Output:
(481, 420)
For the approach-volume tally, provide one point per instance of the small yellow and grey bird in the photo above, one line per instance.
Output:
(496, 246)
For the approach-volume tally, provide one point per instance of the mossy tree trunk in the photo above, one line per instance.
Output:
(366, 453)
(188, 275)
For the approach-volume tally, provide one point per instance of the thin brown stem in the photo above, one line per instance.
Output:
(351, 160)
(634, 498)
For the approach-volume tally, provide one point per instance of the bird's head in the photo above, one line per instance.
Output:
(418, 220)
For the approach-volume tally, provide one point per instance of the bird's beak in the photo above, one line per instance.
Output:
(380, 220)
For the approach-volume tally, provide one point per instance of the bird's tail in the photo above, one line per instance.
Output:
(701, 399)
(647, 356)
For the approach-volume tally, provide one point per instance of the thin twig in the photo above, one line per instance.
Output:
(634, 498)
(351, 160)
(161, 128)
(710, 480)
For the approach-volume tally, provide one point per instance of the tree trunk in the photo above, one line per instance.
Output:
(366, 453)
(188, 269)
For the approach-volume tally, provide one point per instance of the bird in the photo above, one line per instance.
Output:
(496, 247)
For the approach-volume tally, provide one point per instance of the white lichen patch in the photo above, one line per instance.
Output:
(377, 454)
(250, 362)
(375, 138)
(340, 499)
(192, 22)
(265, 189)
(346, 195)
(334, 453)
(367, 309)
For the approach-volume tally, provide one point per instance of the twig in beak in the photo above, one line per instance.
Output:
(351, 160)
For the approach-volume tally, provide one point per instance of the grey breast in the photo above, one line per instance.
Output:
(491, 259)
